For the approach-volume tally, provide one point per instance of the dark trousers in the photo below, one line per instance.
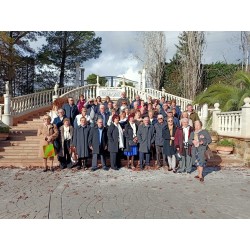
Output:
(94, 160)
(159, 151)
(141, 156)
(66, 159)
(115, 159)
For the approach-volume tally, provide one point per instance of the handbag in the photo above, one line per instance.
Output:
(208, 154)
(49, 151)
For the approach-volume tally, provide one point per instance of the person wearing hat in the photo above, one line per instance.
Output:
(131, 140)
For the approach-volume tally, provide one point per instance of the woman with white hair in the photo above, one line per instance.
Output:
(183, 147)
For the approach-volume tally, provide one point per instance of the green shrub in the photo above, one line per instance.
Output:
(4, 128)
(226, 143)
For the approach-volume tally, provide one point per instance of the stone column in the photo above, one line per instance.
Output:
(204, 114)
(7, 117)
(245, 118)
(97, 86)
(215, 123)
(143, 79)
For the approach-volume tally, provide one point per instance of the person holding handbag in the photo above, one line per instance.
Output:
(131, 140)
(199, 139)
(47, 133)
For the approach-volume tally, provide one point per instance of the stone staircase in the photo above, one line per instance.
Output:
(22, 147)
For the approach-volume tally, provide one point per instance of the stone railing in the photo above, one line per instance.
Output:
(89, 91)
(235, 123)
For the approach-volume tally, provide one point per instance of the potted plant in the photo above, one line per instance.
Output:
(214, 135)
(4, 131)
(225, 146)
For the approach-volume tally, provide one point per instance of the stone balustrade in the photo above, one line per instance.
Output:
(233, 124)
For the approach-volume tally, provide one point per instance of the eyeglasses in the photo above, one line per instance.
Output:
(170, 121)
(160, 118)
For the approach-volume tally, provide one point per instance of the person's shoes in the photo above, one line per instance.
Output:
(115, 168)
(45, 170)
(52, 169)
(78, 167)
(170, 169)
(105, 168)
(188, 172)
(174, 171)
(197, 177)
(93, 169)
(147, 167)
(69, 166)
(202, 179)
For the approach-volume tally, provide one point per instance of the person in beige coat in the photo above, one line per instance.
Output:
(47, 133)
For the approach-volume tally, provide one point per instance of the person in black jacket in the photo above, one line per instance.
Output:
(98, 141)
(71, 110)
(115, 142)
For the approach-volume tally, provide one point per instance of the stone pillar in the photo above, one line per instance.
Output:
(143, 79)
(140, 80)
(55, 96)
(97, 86)
(215, 123)
(204, 114)
(245, 118)
(7, 117)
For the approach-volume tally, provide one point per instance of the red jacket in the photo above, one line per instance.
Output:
(179, 139)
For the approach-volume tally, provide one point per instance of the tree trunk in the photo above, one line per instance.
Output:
(64, 55)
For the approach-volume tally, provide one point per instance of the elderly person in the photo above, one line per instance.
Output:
(80, 142)
(98, 142)
(65, 139)
(130, 134)
(192, 114)
(58, 121)
(169, 149)
(146, 138)
(115, 143)
(136, 103)
(185, 115)
(102, 114)
(183, 148)
(78, 118)
(123, 98)
(199, 139)
(159, 127)
(71, 110)
(47, 133)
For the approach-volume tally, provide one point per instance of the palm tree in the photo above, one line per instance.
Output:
(230, 96)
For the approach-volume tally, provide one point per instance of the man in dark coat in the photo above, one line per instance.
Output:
(71, 110)
(80, 142)
(159, 126)
(102, 114)
(146, 137)
(98, 141)
(115, 143)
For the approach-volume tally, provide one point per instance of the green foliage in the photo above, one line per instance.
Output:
(4, 128)
(65, 48)
(226, 143)
(91, 79)
(126, 84)
(228, 95)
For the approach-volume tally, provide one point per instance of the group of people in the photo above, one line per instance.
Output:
(149, 130)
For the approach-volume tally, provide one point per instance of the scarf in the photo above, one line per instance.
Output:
(120, 139)
(134, 129)
(67, 135)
